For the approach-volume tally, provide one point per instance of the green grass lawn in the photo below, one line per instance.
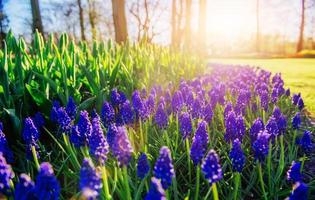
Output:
(298, 75)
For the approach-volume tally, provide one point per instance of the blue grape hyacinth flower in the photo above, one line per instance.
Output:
(294, 173)
(71, 108)
(237, 156)
(211, 167)
(156, 191)
(164, 168)
(6, 176)
(30, 131)
(89, 176)
(143, 166)
(24, 190)
(200, 143)
(126, 112)
(47, 185)
(185, 125)
(99, 147)
(296, 121)
(4, 146)
(120, 145)
(161, 117)
(261, 146)
(54, 110)
(299, 192)
(107, 114)
(64, 120)
(257, 126)
(305, 141)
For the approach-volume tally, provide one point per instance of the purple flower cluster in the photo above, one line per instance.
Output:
(237, 156)
(143, 166)
(261, 146)
(119, 143)
(89, 177)
(98, 144)
(163, 168)
(47, 185)
(211, 167)
(4, 146)
(200, 143)
(82, 131)
(6, 176)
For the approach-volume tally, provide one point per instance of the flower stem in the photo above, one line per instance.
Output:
(197, 182)
(215, 191)
(35, 157)
(127, 189)
(261, 180)
(237, 180)
(188, 158)
(105, 183)
(269, 165)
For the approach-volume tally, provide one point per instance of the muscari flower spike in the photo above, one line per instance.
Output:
(301, 103)
(295, 98)
(208, 113)
(139, 105)
(54, 111)
(119, 143)
(257, 126)
(156, 191)
(294, 173)
(272, 127)
(30, 131)
(98, 145)
(230, 127)
(199, 144)
(211, 167)
(305, 142)
(261, 146)
(47, 185)
(108, 114)
(237, 156)
(6, 176)
(24, 190)
(89, 176)
(177, 101)
(288, 92)
(296, 121)
(185, 124)
(39, 120)
(82, 131)
(63, 120)
(143, 166)
(164, 168)
(117, 97)
(161, 118)
(126, 112)
(282, 124)
(299, 192)
(264, 100)
(150, 103)
(4, 146)
(71, 108)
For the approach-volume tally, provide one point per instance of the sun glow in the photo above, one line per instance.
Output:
(229, 20)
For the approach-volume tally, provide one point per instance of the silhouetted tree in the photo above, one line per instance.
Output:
(119, 18)
(299, 45)
(81, 17)
(36, 17)
(4, 21)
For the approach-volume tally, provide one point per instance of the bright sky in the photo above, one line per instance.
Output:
(228, 19)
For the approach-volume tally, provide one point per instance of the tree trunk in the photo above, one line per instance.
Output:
(120, 24)
(257, 27)
(299, 45)
(92, 18)
(174, 25)
(187, 25)
(81, 17)
(37, 19)
(202, 26)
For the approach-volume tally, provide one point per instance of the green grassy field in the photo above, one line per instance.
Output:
(298, 74)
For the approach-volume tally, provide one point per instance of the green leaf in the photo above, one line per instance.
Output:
(37, 95)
